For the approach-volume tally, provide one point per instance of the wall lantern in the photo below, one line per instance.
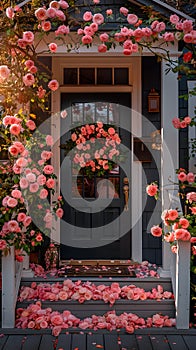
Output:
(153, 101)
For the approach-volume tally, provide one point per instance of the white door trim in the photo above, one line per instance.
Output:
(135, 89)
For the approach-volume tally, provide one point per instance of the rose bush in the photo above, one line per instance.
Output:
(26, 82)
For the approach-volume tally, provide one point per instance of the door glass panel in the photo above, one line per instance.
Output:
(89, 112)
(121, 76)
(70, 76)
(77, 112)
(102, 112)
(104, 76)
(87, 76)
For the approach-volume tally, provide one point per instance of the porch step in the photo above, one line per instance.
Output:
(143, 308)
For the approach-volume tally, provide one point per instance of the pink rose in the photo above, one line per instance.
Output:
(4, 73)
(174, 19)
(187, 25)
(152, 190)
(172, 214)
(190, 177)
(109, 12)
(87, 16)
(33, 188)
(31, 177)
(56, 331)
(19, 146)
(41, 14)
(39, 237)
(10, 12)
(49, 140)
(46, 155)
(43, 193)
(102, 48)
(64, 114)
(60, 15)
(41, 180)
(46, 26)
(193, 210)
(188, 38)
(182, 176)
(50, 183)
(24, 183)
(62, 30)
(16, 194)
(124, 11)
(56, 320)
(98, 18)
(33, 69)
(3, 244)
(184, 223)
(12, 202)
(168, 37)
(187, 120)
(59, 212)
(182, 234)
(31, 125)
(6, 119)
(27, 221)
(63, 4)
(55, 4)
(21, 217)
(156, 231)
(86, 39)
(51, 12)
(53, 85)
(13, 226)
(41, 92)
(183, 124)
(52, 47)
(191, 196)
(48, 169)
(28, 37)
(15, 129)
(132, 19)
(29, 63)
(13, 150)
(28, 79)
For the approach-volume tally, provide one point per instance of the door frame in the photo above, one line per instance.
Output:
(135, 90)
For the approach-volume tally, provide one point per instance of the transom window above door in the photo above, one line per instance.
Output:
(96, 76)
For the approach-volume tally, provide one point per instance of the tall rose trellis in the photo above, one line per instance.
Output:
(24, 81)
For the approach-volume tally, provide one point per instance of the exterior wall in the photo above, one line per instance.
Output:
(151, 78)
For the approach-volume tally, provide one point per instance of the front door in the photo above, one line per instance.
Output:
(97, 217)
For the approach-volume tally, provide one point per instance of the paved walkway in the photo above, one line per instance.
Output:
(148, 339)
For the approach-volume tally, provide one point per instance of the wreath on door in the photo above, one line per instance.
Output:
(94, 148)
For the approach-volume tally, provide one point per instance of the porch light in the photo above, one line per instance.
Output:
(153, 101)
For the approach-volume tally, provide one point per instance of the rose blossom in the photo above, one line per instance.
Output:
(43, 193)
(28, 37)
(15, 129)
(182, 176)
(87, 39)
(41, 14)
(21, 217)
(132, 19)
(24, 183)
(87, 16)
(64, 114)
(124, 11)
(46, 26)
(63, 4)
(28, 79)
(13, 225)
(10, 12)
(3, 244)
(4, 72)
(39, 237)
(33, 188)
(172, 214)
(16, 194)
(62, 30)
(190, 177)
(31, 177)
(174, 19)
(193, 210)
(50, 183)
(55, 4)
(31, 125)
(102, 48)
(48, 169)
(176, 123)
(53, 85)
(60, 15)
(152, 190)
(51, 12)
(156, 231)
(12, 202)
(41, 180)
(13, 150)
(41, 92)
(27, 221)
(59, 212)
(52, 47)
(184, 223)
(98, 18)
(191, 196)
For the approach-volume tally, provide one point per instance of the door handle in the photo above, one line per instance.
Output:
(126, 192)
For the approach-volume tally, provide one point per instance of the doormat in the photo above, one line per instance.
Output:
(95, 268)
